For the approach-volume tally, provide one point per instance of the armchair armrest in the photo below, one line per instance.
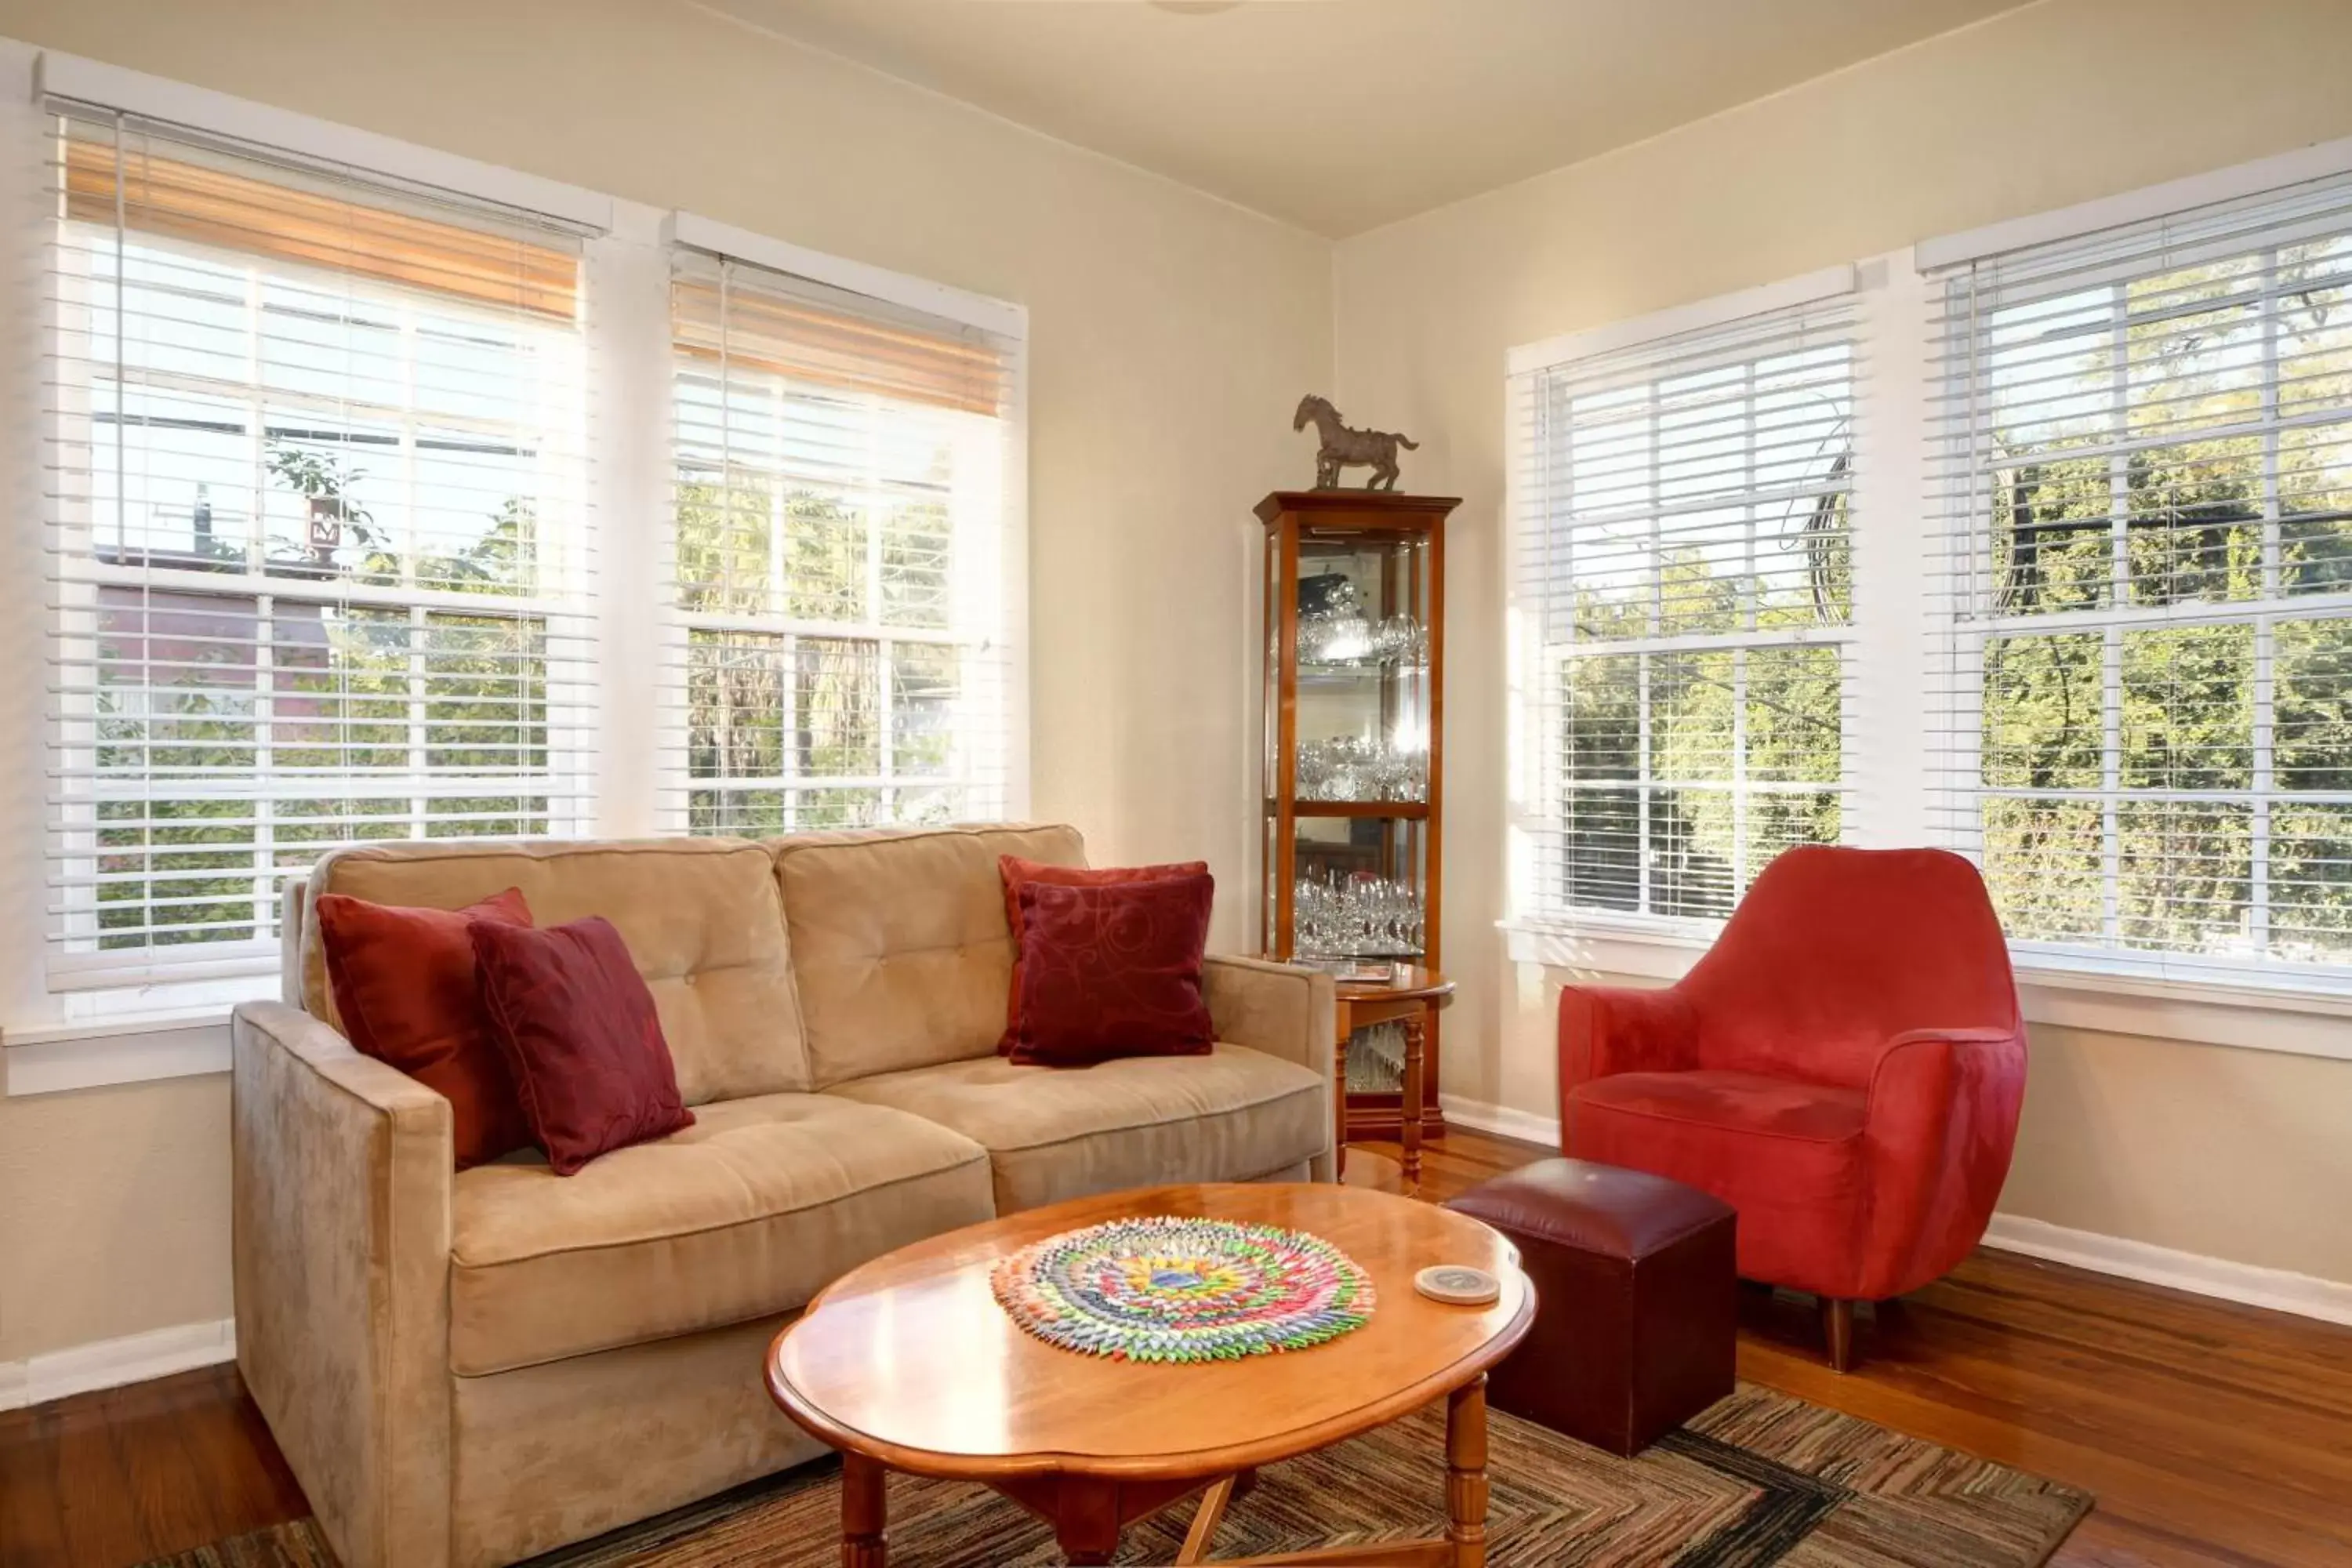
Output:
(1607, 1030)
(1284, 1011)
(1938, 1129)
(342, 1171)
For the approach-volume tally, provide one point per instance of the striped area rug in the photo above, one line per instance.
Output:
(1760, 1479)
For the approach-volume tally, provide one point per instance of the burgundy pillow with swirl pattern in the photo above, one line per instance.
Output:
(577, 1025)
(1113, 971)
(1015, 871)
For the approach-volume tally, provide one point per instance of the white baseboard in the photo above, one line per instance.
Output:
(1480, 1116)
(111, 1364)
(2248, 1284)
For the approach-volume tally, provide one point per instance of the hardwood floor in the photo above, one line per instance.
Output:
(2214, 1436)
(116, 1477)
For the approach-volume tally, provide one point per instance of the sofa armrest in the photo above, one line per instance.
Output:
(1282, 1010)
(342, 1171)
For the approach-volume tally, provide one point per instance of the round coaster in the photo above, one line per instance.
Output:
(1457, 1285)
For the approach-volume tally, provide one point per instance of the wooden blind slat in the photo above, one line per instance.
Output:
(807, 343)
(191, 202)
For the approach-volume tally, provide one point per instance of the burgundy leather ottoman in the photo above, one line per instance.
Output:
(1637, 1300)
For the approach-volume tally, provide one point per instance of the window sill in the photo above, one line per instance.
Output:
(2263, 1018)
(53, 1058)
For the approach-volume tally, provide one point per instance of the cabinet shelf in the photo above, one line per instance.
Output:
(1403, 810)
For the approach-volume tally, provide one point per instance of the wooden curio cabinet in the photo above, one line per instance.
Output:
(1354, 694)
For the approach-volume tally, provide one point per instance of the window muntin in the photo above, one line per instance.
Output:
(840, 529)
(2148, 452)
(1685, 576)
(316, 537)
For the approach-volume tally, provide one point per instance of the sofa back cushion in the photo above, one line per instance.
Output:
(699, 915)
(899, 942)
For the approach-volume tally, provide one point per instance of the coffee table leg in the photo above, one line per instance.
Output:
(864, 1512)
(1409, 1120)
(1086, 1521)
(1465, 1473)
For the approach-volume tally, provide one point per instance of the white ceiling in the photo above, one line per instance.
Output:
(1341, 115)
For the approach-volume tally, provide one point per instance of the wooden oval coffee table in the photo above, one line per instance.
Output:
(908, 1364)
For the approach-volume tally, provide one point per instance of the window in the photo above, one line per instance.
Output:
(316, 531)
(2147, 461)
(1683, 584)
(843, 482)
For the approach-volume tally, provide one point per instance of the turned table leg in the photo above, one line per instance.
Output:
(1339, 1103)
(1465, 1473)
(1409, 1119)
(864, 1512)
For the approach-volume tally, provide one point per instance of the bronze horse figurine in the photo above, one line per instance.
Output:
(1345, 449)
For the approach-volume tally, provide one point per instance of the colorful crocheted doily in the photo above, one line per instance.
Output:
(1175, 1289)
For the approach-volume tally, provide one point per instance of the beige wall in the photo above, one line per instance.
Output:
(2054, 104)
(113, 1213)
(2211, 1148)
(1170, 335)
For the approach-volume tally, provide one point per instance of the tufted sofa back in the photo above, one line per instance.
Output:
(780, 966)
(899, 940)
(701, 916)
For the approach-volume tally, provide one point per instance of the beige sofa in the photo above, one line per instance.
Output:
(469, 1367)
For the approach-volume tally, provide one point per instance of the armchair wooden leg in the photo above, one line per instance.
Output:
(1837, 1328)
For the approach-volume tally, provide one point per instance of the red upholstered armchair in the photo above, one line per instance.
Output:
(1844, 1068)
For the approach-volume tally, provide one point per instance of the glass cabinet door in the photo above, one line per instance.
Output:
(1357, 764)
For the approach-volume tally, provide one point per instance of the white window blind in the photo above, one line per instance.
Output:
(314, 513)
(1683, 582)
(845, 471)
(2146, 727)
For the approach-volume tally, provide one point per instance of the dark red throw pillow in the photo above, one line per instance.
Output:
(578, 1027)
(405, 983)
(1018, 872)
(1113, 971)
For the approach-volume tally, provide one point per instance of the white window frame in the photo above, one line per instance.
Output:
(1004, 320)
(1530, 771)
(2111, 622)
(85, 965)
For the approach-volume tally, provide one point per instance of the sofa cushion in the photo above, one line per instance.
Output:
(750, 1212)
(700, 917)
(1067, 1132)
(899, 940)
(1786, 1155)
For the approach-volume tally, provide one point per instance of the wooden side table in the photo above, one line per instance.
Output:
(1409, 999)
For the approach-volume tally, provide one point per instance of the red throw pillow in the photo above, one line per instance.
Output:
(1113, 971)
(1018, 872)
(579, 1031)
(405, 984)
